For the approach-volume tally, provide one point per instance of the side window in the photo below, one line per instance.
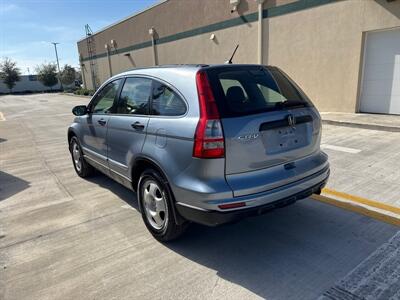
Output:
(228, 83)
(104, 101)
(270, 95)
(135, 95)
(166, 102)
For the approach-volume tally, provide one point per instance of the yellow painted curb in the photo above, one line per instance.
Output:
(362, 200)
(358, 209)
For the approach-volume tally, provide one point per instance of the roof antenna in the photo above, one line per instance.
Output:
(233, 54)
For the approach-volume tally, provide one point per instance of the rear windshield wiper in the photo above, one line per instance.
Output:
(291, 103)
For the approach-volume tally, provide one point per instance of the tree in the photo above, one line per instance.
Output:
(9, 73)
(47, 74)
(68, 75)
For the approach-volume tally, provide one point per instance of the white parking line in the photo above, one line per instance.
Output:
(339, 148)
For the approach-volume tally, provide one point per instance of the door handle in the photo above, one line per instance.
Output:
(102, 122)
(137, 126)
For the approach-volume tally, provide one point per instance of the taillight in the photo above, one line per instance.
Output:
(209, 137)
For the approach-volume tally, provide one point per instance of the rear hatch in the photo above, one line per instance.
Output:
(267, 120)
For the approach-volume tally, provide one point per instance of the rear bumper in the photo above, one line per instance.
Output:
(214, 217)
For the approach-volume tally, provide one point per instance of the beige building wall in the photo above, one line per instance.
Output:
(201, 50)
(136, 59)
(168, 18)
(195, 50)
(119, 64)
(321, 48)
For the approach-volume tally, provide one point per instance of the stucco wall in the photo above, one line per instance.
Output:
(168, 18)
(321, 47)
(201, 50)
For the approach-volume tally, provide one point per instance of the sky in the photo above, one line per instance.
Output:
(27, 27)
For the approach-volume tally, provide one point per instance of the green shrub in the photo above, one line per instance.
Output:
(84, 92)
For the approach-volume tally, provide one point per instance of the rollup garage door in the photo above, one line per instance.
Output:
(380, 92)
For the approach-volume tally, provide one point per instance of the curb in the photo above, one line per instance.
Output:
(362, 125)
(373, 209)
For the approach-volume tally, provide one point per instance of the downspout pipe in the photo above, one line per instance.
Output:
(109, 59)
(260, 31)
(83, 75)
(152, 32)
(83, 68)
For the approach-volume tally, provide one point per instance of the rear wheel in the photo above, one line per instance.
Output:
(82, 168)
(156, 207)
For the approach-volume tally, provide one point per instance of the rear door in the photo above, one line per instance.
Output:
(266, 119)
(127, 128)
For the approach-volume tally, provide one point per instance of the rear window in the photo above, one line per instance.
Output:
(248, 90)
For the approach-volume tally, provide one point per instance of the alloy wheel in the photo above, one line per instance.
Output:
(77, 157)
(155, 205)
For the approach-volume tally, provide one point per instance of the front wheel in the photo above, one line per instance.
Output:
(82, 168)
(156, 207)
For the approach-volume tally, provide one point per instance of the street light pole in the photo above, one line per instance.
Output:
(58, 64)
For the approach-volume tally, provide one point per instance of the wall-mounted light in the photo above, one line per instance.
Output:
(152, 31)
(234, 5)
(106, 46)
(212, 37)
(113, 43)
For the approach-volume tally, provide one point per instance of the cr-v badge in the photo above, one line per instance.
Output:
(249, 137)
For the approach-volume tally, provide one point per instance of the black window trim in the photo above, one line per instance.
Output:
(153, 79)
(119, 97)
(175, 91)
(90, 105)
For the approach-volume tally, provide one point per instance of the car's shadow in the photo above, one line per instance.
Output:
(120, 191)
(297, 252)
(11, 185)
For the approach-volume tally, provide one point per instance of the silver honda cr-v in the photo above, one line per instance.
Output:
(204, 143)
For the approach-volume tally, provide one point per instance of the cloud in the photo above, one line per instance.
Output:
(7, 7)
(23, 48)
(41, 27)
(9, 52)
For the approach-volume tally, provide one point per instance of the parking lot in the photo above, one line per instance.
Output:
(65, 237)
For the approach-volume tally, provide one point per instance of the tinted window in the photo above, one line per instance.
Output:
(246, 90)
(134, 98)
(166, 102)
(104, 101)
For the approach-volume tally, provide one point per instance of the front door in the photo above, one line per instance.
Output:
(95, 124)
(127, 128)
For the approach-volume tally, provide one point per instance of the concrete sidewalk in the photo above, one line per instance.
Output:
(364, 163)
(360, 120)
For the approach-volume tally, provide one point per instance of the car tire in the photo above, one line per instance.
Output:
(82, 168)
(156, 203)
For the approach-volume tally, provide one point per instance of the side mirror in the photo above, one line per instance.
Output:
(80, 110)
